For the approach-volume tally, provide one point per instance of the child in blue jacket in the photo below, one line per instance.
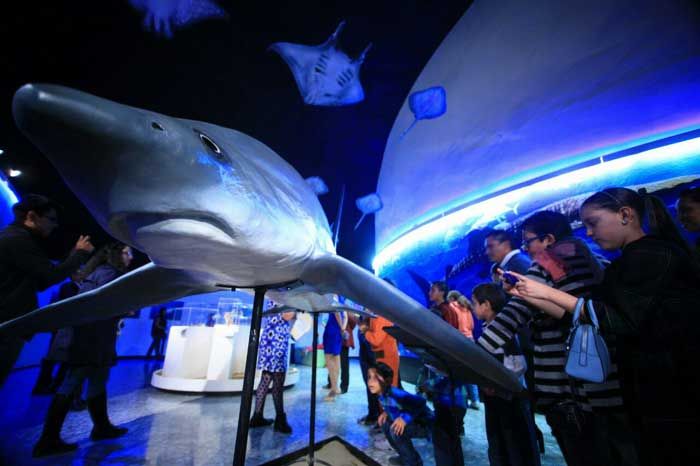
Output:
(405, 416)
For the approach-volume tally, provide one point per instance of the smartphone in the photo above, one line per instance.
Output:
(509, 278)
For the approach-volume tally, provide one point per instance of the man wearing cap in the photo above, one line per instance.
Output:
(25, 268)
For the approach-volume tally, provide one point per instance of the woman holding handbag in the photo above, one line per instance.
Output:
(649, 302)
(583, 416)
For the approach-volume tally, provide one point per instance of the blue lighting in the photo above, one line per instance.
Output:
(7, 199)
(675, 157)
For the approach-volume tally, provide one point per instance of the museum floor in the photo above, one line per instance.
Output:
(173, 429)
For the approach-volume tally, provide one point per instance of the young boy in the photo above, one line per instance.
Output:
(405, 416)
(450, 403)
(510, 429)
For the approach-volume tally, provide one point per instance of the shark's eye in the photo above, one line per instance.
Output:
(158, 126)
(211, 145)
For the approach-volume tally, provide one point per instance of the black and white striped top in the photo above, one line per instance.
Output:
(549, 337)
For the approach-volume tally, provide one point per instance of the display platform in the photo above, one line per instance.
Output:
(208, 359)
(333, 450)
(233, 385)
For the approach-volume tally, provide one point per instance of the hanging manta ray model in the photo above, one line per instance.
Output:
(324, 74)
(210, 207)
(163, 16)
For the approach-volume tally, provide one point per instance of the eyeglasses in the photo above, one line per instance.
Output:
(526, 242)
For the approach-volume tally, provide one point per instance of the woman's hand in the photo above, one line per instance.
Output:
(381, 419)
(528, 288)
(505, 284)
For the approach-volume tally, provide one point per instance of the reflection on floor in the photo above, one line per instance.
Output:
(175, 429)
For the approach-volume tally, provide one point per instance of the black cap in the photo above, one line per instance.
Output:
(35, 202)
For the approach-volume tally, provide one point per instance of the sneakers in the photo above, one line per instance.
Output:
(367, 420)
(382, 444)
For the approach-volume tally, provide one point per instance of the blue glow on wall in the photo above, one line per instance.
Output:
(526, 100)
(7, 199)
(650, 164)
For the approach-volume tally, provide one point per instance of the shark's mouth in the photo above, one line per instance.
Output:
(156, 226)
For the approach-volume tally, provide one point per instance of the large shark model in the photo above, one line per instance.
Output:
(210, 206)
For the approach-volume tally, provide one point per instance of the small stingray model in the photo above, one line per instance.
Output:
(163, 16)
(213, 208)
(325, 75)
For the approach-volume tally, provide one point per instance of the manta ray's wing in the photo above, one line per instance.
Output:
(334, 274)
(145, 286)
(301, 60)
(324, 74)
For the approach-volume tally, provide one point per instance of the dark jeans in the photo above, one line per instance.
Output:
(574, 431)
(472, 392)
(592, 439)
(510, 432)
(10, 349)
(670, 442)
(156, 346)
(96, 377)
(45, 378)
(446, 442)
(617, 440)
(403, 443)
(367, 359)
(344, 368)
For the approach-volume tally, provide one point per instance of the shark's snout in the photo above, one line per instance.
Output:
(98, 146)
(43, 111)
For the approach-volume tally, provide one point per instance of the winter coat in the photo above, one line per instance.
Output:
(25, 269)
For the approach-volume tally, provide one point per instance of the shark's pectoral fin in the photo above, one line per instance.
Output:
(145, 286)
(333, 274)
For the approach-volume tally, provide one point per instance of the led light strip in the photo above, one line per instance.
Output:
(646, 156)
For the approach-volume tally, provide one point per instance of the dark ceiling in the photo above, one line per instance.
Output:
(219, 71)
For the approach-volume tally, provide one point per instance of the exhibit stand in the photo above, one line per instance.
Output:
(208, 359)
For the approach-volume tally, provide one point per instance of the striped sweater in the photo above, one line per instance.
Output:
(549, 336)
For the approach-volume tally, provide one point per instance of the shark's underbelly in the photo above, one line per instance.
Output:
(242, 261)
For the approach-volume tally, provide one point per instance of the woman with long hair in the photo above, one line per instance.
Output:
(91, 355)
(649, 303)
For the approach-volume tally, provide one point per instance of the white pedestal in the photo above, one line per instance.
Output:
(208, 359)
(221, 354)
